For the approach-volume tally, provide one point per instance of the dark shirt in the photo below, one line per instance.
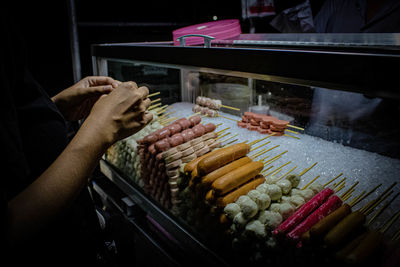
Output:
(349, 16)
(33, 133)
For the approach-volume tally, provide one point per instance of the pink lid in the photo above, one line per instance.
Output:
(220, 30)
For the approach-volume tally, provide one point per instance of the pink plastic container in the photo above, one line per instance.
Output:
(220, 30)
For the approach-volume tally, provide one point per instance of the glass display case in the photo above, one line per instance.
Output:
(337, 96)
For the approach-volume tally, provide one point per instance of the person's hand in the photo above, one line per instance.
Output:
(76, 101)
(119, 114)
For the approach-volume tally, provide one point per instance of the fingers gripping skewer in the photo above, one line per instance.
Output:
(153, 94)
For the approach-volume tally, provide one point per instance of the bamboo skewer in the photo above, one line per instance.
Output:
(312, 181)
(272, 160)
(226, 118)
(222, 136)
(154, 106)
(396, 236)
(346, 197)
(295, 137)
(153, 94)
(162, 109)
(295, 127)
(339, 183)
(229, 138)
(227, 144)
(372, 202)
(194, 114)
(340, 174)
(307, 169)
(373, 206)
(277, 169)
(279, 155)
(355, 200)
(290, 131)
(219, 124)
(267, 169)
(365, 196)
(340, 187)
(292, 169)
(269, 150)
(387, 203)
(259, 153)
(259, 140)
(168, 120)
(390, 222)
(229, 107)
(155, 100)
(260, 146)
(349, 190)
(166, 114)
(223, 130)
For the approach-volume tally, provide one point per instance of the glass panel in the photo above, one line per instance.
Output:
(344, 132)
(156, 78)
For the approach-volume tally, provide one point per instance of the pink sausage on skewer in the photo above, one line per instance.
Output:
(210, 127)
(195, 120)
(291, 222)
(333, 203)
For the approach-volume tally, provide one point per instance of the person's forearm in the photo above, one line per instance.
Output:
(56, 188)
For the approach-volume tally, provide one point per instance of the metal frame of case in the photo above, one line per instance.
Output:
(368, 70)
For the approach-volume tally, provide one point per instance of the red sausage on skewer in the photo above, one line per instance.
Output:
(291, 222)
(333, 203)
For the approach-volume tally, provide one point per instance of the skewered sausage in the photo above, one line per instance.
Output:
(327, 223)
(244, 189)
(303, 212)
(237, 177)
(221, 157)
(326, 208)
(208, 179)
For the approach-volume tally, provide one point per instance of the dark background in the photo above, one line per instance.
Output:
(45, 28)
